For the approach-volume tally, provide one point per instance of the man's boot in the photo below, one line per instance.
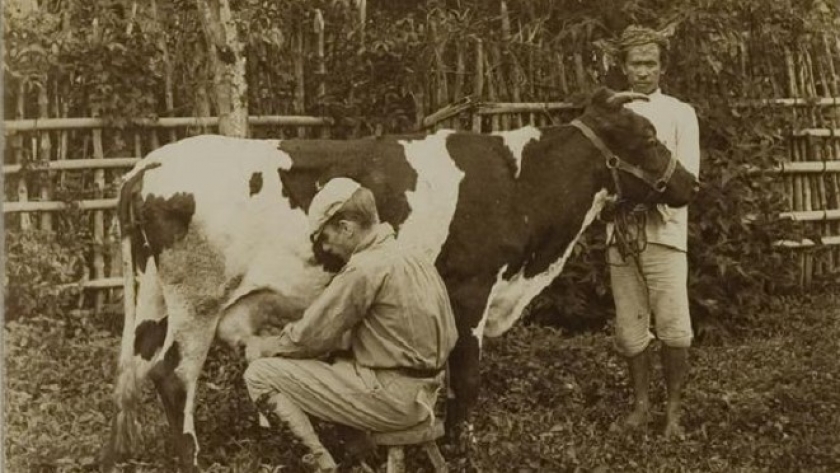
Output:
(640, 379)
(675, 366)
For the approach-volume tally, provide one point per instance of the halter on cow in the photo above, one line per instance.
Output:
(616, 164)
(215, 238)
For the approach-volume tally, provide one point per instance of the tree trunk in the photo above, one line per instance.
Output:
(162, 44)
(228, 65)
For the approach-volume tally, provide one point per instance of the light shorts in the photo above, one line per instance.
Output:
(665, 296)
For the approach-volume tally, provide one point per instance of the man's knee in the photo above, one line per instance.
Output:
(632, 333)
(261, 375)
(630, 345)
(677, 339)
(675, 331)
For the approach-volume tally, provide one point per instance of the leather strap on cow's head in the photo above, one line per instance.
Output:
(615, 163)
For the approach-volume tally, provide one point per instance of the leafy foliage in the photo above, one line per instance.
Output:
(117, 56)
(38, 265)
(87, 47)
(766, 401)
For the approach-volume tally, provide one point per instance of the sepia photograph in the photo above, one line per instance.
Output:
(428, 236)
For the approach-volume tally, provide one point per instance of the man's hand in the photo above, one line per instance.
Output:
(260, 347)
(667, 213)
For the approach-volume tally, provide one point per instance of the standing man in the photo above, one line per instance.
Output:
(388, 307)
(655, 283)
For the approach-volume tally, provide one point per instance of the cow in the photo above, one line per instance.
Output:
(215, 241)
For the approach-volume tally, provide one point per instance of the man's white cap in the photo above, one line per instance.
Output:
(328, 201)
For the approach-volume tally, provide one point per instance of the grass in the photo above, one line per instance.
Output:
(769, 401)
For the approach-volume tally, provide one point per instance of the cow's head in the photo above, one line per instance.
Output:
(642, 168)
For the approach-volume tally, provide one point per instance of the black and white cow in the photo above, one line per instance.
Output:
(216, 243)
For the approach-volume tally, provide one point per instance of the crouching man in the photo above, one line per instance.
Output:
(387, 308)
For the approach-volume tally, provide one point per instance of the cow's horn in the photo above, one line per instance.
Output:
(621, 98)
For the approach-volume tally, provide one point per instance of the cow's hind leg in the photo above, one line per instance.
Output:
(176, 372)
(144, 332)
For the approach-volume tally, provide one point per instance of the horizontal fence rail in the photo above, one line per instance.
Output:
(790, 102)
(809, 243)
(818, 132)
(53, 206)
(103, 283)
(798, 167)
(165, 122)
(501, 108)
(74, 165)
(811, 215)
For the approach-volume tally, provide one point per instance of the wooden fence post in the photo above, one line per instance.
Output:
(458, 90)
(580, 72)
(299, 102)
(98, 216)
(561, 73)
(45, 154)
(63, 135)
(478, 86)
(318, 25)
(508, 69)
(491, 89)
(22, 190)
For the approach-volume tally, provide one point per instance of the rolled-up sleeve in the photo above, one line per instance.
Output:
(337, 310)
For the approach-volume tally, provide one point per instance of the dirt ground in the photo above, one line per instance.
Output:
(769, 401)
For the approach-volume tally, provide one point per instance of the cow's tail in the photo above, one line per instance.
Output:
(125, 426)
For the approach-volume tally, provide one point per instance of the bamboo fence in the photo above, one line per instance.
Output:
(804, 93)
(482, 84)
(90, 156)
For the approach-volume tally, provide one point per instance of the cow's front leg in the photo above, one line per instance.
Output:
(468, 304)
(465, 382)
(176, 372)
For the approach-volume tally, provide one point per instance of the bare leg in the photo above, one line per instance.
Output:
(640, 379)
(675, 365)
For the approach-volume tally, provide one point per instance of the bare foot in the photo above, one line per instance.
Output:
(673, 427)
(673, 430)
(637, 419)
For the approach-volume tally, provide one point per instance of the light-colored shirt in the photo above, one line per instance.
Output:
(388, 306)
(676, 127)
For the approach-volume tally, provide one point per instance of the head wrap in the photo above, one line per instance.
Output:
(635, 35)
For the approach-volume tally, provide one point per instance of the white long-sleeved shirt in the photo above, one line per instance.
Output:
(676, 127)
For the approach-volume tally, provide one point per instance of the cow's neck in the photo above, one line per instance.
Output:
(558, 196)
